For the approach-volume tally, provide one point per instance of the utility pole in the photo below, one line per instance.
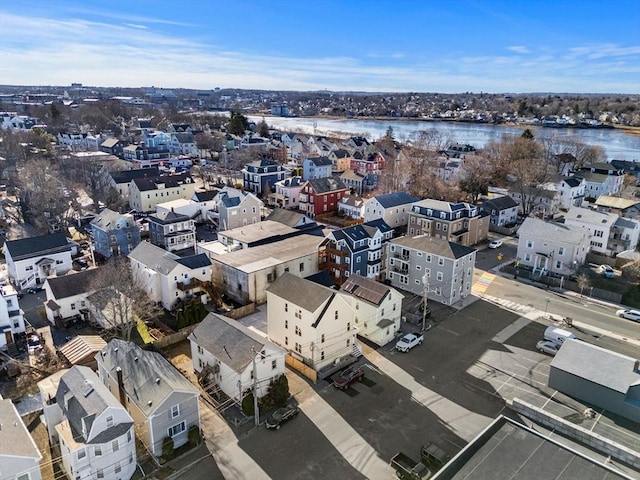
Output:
(425, 291)
(256, 412)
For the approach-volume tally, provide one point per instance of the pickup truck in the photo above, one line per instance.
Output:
(409, 341)
(408, 469)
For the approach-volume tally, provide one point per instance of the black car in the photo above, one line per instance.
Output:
(281, 416)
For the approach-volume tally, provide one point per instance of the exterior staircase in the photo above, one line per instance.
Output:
(12, 350)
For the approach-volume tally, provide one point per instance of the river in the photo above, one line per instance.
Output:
(616, 143)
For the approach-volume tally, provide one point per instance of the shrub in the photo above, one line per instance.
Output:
(279, 391)
(194, 435)
(247, 405)
(167, 448)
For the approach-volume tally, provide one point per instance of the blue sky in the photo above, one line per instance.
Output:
(448, 46)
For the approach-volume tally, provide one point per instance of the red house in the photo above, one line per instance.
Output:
(321, 195)
(372, 163)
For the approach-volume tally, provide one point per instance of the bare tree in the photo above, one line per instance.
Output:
(120, 299)
(584, 282)
(476, 177)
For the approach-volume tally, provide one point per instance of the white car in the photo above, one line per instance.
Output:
(495, 244)
(629, 314)
(607, 271)
(546, 346)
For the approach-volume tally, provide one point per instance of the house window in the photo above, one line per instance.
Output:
(322, 355)
(286, 307)
(118, 468)
(527, 257)
(286, 340)
(298, 331)
(100, 474)
(81, 454)
(128, 436)
(110, 421)
(335, 315)
(302, 266)
(298, 348)
(29, 268)
(269, 277)
(529, 243)
(439, 276)
(348, 326)
(440, 261)
(561, 251)
(97, 450)
(175, 411)
(348, 342)
(115, 445)
(130, 457)
(322, 338)
(286, 324)
(274, 364)
(177, 429)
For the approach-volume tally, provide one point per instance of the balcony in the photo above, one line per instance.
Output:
(189, 285)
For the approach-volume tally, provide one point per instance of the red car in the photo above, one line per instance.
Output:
(347, 377)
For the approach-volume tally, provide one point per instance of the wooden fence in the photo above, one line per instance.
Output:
(299, 366)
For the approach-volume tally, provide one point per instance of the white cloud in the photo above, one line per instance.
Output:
(519, 49)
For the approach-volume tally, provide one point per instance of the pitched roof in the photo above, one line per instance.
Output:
(73, 283)
(619, 203)
(290, 218)
(82, 348)
(205, 196)
(110, 143)
(82, 396)
(229, 341)
(395, 199)
(591, 217)
(108, 218)
(366, 289)
(125, 176)
(598, 365)
(15, 440)
(169, 181)
(36, 246)
(534, 227)
(572, 181)
(195, 261)
(380, 224)
(320, 161)
(501, 203)
(434, 246)
(326, 185)
(147, 376)
(154, 257)
(167, 217)
(301, 292)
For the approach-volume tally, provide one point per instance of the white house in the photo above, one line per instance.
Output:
(316, 167)
(502, 210)
(11, 318)
(19, 454)
(352, 206)
(167, 277)
(95, 433)
(572, 192)
(599, 225)
(145, 193)
(378, 308)
(235, 208)
(229, 355)
(67, 296)
(393, 208)
(161, 401)
(31, 260)
(545, 246)
(443, 268)
(287, 194)
(601, 179)
(314, 323)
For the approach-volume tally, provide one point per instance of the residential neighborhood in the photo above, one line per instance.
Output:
(209, 284)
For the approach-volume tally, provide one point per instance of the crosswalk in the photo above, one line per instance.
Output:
(483, 283)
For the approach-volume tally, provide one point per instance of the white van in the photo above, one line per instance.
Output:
(557, 335)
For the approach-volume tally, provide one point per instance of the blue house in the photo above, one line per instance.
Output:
(114, 233)
(355, 250)
(261, 175)
(316, 167)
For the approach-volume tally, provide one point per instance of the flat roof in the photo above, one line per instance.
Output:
(258, 231)
(508, 450)
(250, 260)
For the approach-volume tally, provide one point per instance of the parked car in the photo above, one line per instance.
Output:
(629, 314)
(607, 271)
(496, 244)
(545, 346)
(34, 289)
(348, 376)
(280, 416)
(409, 341)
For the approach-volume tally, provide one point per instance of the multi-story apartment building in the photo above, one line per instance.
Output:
(355, 250)
(146, 193)
(321, 195)
(261, 175)
(444, 269)
(316, 167)
(393, 208)
(114, 233)
(461, 223)
(11, 318)
(172, 231)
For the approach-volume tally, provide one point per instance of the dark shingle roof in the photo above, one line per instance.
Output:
(35, 246)
(170, 181)
(206, 196)
(15, 440)
(195, 261)
(73, 284)
(502, 203)
(167, 217)
(380, 224)
(572, 182)
(320, 161)
(125, 176)
(394, 199)
(229, 341)
(325, 185)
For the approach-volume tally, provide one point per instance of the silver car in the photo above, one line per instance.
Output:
(548, 347)
(629, 314)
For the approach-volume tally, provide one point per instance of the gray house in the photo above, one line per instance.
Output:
(598, 376)
(160, 400)
(19, 455)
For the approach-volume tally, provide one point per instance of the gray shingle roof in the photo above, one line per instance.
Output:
(501, 203)
(125, 176)
(325, 185)
(170, 181)
(14, 436)
(107, 219)
(596, 364)
(167, 217)
(36, 246)
(320, 161)
(153, 257)
(149, 380)
(395, 199)
(435, 246)
(301, 292)
(591, 217)
(73, 283)
(81, 395)
(534, 227)
(229, 341)
(195, 261)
